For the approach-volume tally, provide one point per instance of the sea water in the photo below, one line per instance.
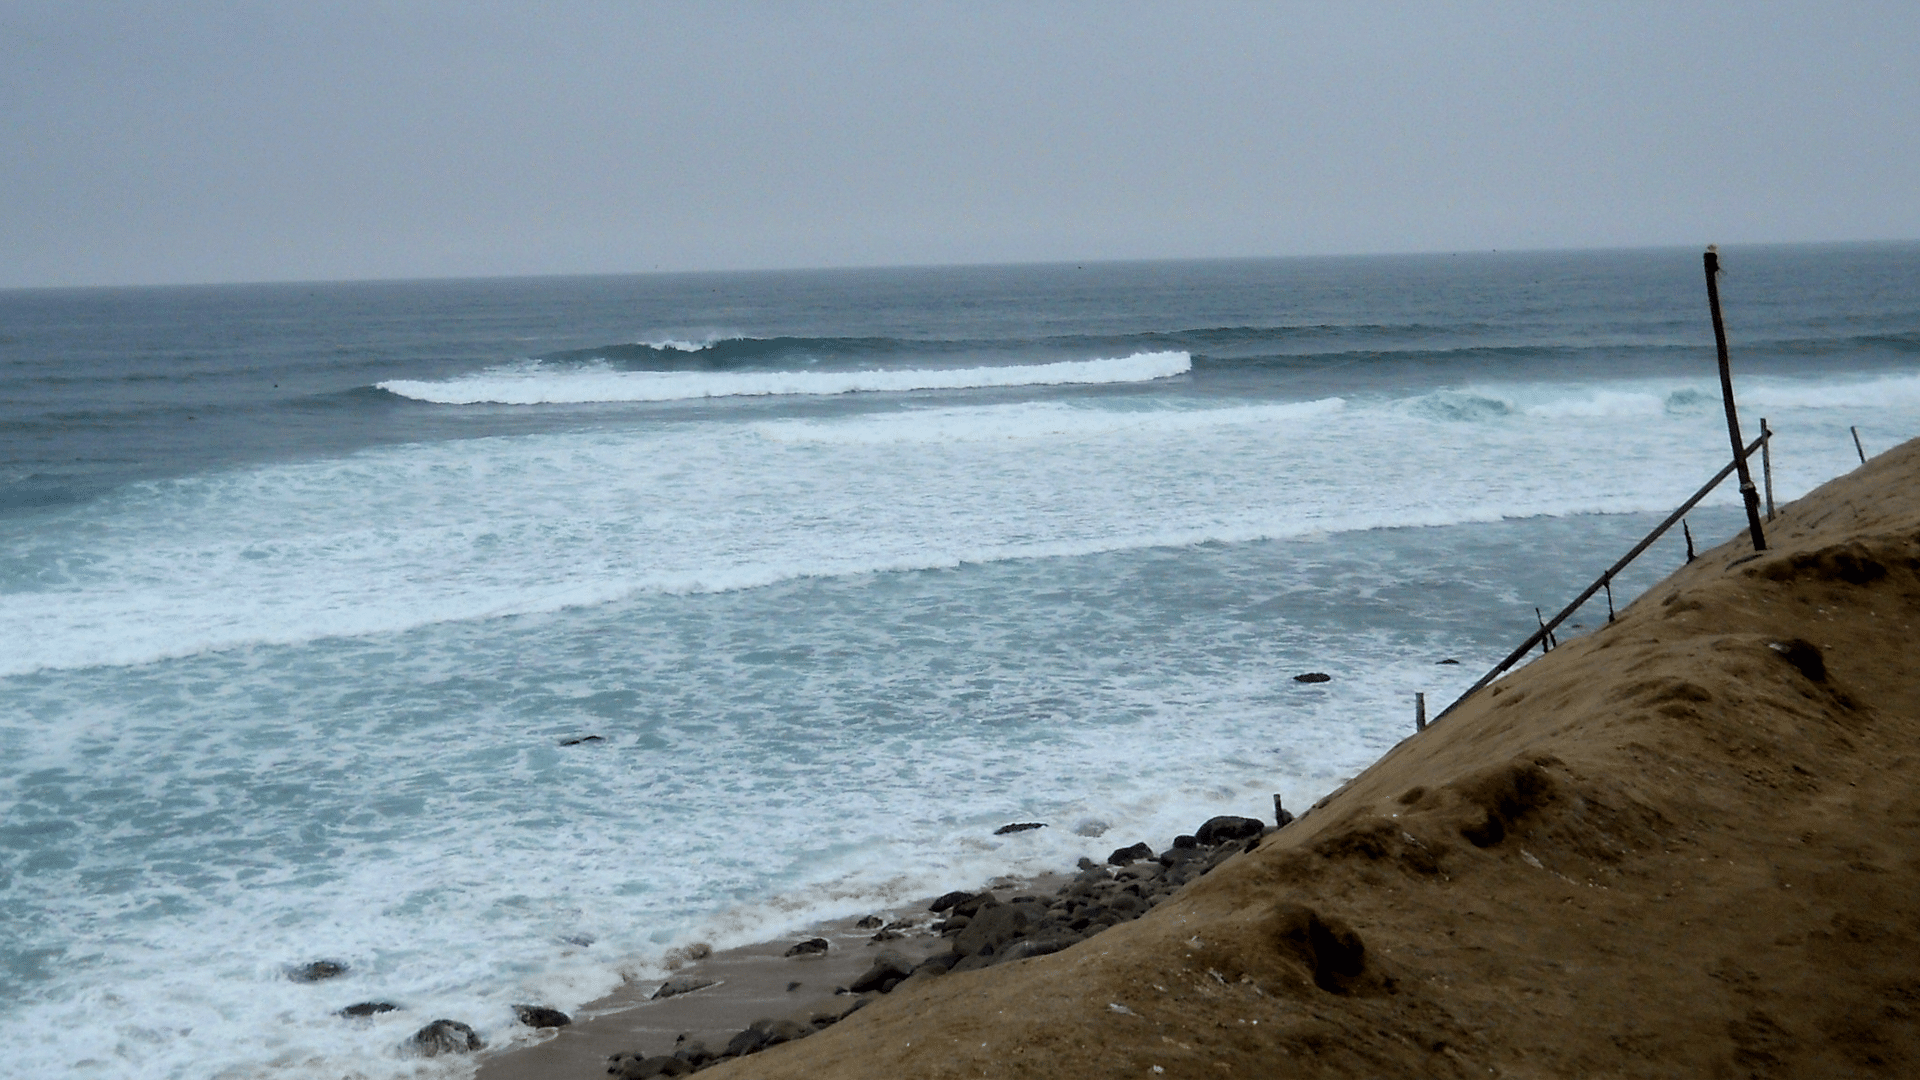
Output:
(494, 637)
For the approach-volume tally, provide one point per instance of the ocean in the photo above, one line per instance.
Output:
(494, 637)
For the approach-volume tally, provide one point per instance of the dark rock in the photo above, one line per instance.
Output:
(635, 1067)
(1186, 840)
(581, 739)
(681, 984)
(368, 1008)
(954, 924)
(1019, 826)
(1126, 855)
(943, 961)
(1449, 660)
(745, 1041)
(993, 928)
(887, 935)
(890, 964)
(317, 971)
(1086, 863)
(1282, 817)
(693, 1051)
(972, 905)
(949, 900)
(871, 922)
(887, 987)
(1313, 676)
(444, 1037)
(839, 1008)
(1221, 830)
(539, 1016)
(764, 1033)
(809, 947)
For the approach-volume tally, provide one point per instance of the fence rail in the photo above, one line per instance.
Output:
(1605, 581)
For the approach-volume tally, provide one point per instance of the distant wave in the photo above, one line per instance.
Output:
(540, 385)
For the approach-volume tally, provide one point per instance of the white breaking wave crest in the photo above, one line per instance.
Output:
(1649, 399)
(533, 385)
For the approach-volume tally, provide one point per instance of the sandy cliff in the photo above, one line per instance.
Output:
(1687, 845)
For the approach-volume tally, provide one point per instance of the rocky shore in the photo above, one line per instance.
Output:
(983, 929)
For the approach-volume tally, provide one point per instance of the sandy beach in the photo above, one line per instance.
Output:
(1680, 845)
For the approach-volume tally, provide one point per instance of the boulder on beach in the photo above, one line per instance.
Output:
(809, 947)
(443, 1037)
(1134, 853)
(947, 900)
(1223, 829)
(871, 922)
(635, 1066)
(539, 1016)
(890, 964)
(682, 984)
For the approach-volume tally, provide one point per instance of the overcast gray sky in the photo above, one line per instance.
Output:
(190, 142)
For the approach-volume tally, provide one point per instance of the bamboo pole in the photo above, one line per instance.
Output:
(1766, 462)
(1747, 494)
(1857, 448)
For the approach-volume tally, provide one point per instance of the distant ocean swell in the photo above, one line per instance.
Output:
(1223, 343)
(535, 384)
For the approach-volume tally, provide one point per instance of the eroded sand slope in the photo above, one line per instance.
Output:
(1685, 845)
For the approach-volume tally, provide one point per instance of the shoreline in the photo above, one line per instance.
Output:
(712, 1004)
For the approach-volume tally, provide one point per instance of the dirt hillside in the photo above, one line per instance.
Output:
(1685, 845)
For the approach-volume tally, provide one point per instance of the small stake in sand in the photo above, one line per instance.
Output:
(1688, 533)
(1419, 712)
(1857, 448)
(1747, 493)
(1766, 462)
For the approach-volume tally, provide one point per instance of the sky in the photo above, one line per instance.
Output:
(191, 142)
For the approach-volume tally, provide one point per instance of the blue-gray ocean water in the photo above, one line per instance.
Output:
(303, 589)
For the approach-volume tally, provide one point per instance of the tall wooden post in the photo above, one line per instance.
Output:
(1747, 492)
(1766, 462)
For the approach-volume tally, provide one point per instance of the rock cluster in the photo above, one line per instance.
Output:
(987, 930)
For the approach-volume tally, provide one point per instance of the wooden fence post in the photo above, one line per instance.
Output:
(1747, 494)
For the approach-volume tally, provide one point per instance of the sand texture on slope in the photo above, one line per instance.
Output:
(1685, 845)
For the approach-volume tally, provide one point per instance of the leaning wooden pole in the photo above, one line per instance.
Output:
(1747, 492)
(1605, 581)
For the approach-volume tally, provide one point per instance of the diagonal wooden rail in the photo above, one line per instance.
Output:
(1605, 581)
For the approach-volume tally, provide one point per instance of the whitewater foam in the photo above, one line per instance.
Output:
(536, 385)
(397, 538)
